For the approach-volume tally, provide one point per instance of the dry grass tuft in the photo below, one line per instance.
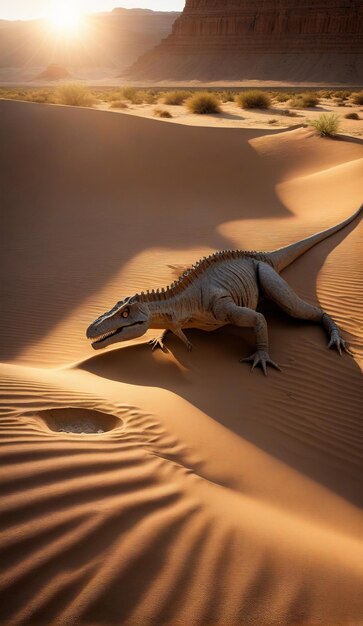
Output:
(118, 104)
(133, 95)
(304, 101)
(253, 99)
(163, 113)
(352, 116)
(74, 95)
(327, 125)
(42, 96)
(203, 103)
(288, 113)
(357, 98)
(176, 98)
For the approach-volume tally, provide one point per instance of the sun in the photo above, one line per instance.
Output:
(65, 17)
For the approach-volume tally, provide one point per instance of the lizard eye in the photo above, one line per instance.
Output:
(125, 314)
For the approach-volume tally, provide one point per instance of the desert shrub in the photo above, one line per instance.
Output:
(325, 93)
(253, 99)
(150, 96)
(175, 98)
(304, 101)
(118, 104)
(74, 95)
(282, 96)
(109, 96)
(42, 96)
(352, 116)
(203, 103)
(162, 113)
(342, 95)
(357, 98)
(327, 125)
(133, 95)
(9, 95)
(128, 92)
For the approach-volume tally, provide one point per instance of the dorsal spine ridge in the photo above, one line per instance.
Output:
(195, 271)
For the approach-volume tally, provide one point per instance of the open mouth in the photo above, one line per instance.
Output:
(106, 336)
(111, 333)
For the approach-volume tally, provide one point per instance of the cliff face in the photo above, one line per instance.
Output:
(237, 29)
(291, 25)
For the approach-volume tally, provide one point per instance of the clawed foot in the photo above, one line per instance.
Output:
(157, 343)
(337, 342)
(261, 358)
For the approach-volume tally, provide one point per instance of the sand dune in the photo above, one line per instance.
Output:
(198, 493)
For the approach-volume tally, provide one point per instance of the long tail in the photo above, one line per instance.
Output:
(283, 257)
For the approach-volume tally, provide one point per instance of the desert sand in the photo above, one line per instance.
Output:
(196, 492)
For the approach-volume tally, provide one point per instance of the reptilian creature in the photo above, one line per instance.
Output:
(224, 288)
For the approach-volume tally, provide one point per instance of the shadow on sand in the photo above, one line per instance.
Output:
(303, 403)
(80, 185)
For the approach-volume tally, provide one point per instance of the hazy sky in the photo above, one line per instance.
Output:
(23, 9)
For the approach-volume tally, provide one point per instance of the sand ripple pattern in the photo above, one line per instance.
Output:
(113, 528)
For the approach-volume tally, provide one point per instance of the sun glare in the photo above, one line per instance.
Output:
(65, 17)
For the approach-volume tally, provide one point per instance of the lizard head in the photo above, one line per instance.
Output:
(128, 319)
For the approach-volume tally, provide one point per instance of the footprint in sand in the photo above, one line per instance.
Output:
(79, 421)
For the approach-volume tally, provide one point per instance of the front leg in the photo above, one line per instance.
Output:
(158, 342)
(227, 311)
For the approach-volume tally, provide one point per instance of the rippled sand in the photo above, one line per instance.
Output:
(146, 488)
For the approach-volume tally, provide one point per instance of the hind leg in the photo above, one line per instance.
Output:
(277, 290)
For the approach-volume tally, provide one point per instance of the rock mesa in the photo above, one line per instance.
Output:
(302, 40)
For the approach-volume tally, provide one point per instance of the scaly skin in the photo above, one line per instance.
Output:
(224, 288)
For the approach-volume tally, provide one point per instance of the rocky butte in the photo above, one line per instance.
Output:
(287, 40)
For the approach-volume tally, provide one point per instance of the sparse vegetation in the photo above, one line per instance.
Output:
(42, 96)
(176, 98)
(325, 93)
(109, 96)
(133, 95)
(282, 96)
(352, 116)
(357, 98)
(150, 96)
(327, 125)
(118, 104)
(203, 103)
(304, 101)
(226, 96)
(253, 99)
(163, 113)
(128, 92)
(74, 95)
(288, 113)
(342, 95)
